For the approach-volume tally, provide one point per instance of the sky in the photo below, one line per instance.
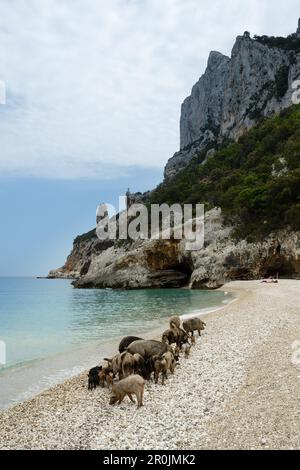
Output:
(93, 95)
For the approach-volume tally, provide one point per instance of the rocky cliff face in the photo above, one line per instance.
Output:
(232, 94)
(167, 263)
(79, 260)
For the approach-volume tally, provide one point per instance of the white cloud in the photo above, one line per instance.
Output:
(95, 86)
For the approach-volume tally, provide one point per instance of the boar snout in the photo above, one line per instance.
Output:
(113, 400)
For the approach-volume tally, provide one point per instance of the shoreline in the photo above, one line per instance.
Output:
(41, 374)
(239, 389)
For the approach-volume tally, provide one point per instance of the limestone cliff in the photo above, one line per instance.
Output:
(233, 94)
(167, 263)
(79, 260)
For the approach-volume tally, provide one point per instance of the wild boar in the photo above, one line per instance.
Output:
(110, 379)
(131, 385)
(170, 336)
(174, 335)
(126, 341)
(147, 348)
(175, 351)
(149, 367)
(102, 376)
(127, 361)
(182, 337)
(93, 376)
(115, 363)
(105, 377)
(186, 349)
(139, 365)
(174, 322)
(170, 361)
(160, 367)
(193, 324)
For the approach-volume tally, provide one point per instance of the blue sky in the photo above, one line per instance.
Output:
(41, 217)
(93, 105)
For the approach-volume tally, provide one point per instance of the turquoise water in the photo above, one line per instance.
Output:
(40, 318)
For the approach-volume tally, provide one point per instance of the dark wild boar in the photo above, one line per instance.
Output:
(126, 341)
(93, 377)
(193, 324)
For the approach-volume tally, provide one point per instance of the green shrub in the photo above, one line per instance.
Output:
(240, 178)
(86, 236)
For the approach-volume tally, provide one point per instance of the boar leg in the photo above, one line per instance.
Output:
(130, 396)
(121, 398)
(139, 396)
(142, 394)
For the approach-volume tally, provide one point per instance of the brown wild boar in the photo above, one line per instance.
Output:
(102, 376)
(131, 385)
(160, 367)
(170, 361)
(174, 322)
(106, 376)
(193, 324)
(147, 348)
(176, 351)
(127, 361)
(115, 363)
(186, 348)
(110, 379)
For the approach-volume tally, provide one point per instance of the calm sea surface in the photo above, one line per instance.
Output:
(41, 318)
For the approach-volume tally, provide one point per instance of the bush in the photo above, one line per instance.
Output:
(240, 178)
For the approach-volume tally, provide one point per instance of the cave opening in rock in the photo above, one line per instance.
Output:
(184, 268)
(280, 267)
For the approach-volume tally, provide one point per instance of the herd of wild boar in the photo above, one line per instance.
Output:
(138, 359)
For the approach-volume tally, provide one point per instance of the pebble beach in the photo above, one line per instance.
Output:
(239, 389)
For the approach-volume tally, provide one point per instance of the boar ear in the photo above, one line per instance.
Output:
(108, 360)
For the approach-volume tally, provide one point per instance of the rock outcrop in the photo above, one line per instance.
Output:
(233, 93)
(167, 263)
(79, 260)
(298, 29)
(153, 263)
(224, 259)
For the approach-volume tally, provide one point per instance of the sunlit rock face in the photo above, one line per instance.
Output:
(232, 94)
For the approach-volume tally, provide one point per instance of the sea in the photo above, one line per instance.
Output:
(50, 331)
